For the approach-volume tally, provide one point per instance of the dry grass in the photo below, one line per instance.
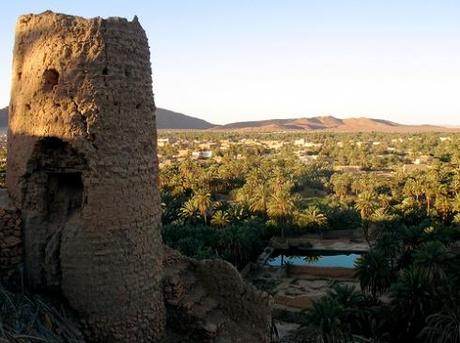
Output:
(29, 318)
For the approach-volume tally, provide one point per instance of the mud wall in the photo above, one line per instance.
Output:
(11, 243)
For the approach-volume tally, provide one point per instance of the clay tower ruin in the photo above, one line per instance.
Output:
(82, 168)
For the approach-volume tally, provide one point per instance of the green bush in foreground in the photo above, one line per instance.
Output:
(238, 244)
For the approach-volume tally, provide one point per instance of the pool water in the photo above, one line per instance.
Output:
(341, 260)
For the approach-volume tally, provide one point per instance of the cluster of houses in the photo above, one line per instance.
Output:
(306, 150)
(204, 150)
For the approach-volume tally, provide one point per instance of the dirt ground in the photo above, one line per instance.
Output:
(293, 293)
(296, 291)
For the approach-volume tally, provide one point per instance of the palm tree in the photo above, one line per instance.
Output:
(414, 187)
(412, 301)
(325, 318)
(375, 228)
(280, 208)
(417, 189)
(456, 203)
(346, 295)
(179, 188)
(455, 184)
(431, 188)
(443, 206)
(456, 219)
(243, 196)
(408, 205)
(384, 201)
(381, 215)
(443, 327)
(220, 218)
(311, 217)
(188, 211)
(254, 178)
(374, 272)
(365, 204)
(364, 184)
(431, 259)
(187, 172)
(260, 197)
(236, 212)
(389, 243)
(340, 184)
(202, 202)
(279, 181)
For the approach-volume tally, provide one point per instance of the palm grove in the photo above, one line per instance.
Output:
(404, 198)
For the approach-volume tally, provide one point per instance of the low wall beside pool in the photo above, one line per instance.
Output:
(329, 272)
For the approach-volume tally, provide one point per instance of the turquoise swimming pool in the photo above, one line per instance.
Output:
(315, 260)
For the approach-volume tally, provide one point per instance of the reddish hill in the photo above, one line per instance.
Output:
(329, 123)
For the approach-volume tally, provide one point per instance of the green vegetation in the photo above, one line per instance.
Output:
(236, 243)
(401, 191)
(355, 181)
(409, 280)
(218, 206)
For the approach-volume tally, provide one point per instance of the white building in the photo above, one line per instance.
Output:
(163, 141)
(306, 144)
(202, 155)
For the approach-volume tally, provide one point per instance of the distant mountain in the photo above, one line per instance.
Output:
(3, 118)
(329, 123)
(171, 120)
(167, 119)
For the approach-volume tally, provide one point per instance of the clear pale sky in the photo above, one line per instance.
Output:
(227, 61)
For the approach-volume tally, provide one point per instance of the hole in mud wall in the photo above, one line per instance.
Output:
(65, 191)
(51, 156)
(50, 79)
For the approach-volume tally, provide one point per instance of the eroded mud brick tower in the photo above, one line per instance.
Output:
(82, 168)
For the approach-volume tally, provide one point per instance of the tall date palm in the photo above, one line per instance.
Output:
(280, 208)
(203, 202)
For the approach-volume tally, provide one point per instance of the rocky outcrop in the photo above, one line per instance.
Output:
(208, 301)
